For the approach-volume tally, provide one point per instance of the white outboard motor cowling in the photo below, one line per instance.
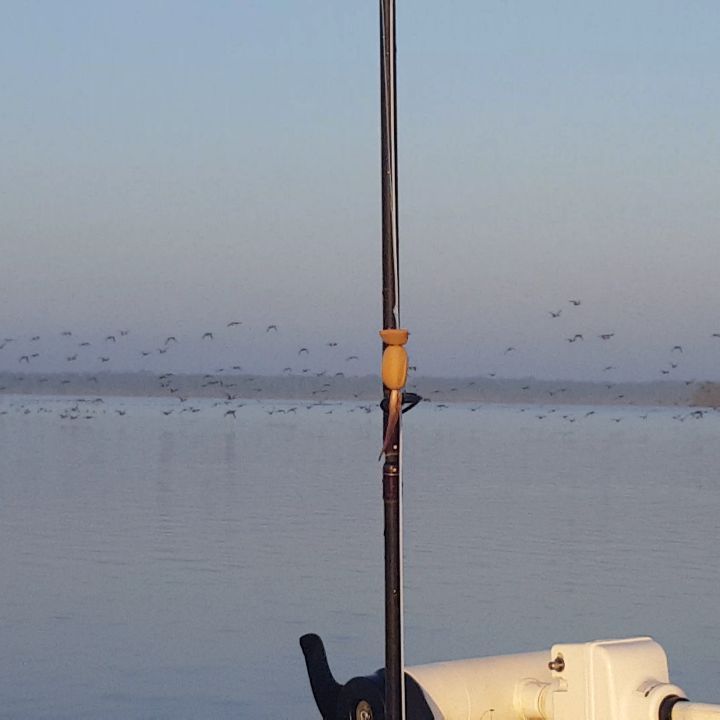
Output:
(601, 680)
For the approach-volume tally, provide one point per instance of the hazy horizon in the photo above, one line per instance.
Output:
(170, 168)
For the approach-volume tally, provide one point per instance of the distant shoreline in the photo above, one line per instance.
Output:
(365, 388)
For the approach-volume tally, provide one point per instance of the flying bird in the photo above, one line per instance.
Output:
(271, 327)
(110, 338)
(606, 336)
(555, 314)
(207, 336)
(170, 339)
(576, 303)
(234, 323)
(303, 350)
(677, 347)
(351, 357)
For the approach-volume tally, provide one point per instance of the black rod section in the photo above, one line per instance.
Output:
(394, 700)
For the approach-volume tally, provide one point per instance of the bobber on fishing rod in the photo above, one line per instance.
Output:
(394, 377)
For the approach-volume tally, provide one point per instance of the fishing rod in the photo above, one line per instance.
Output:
(386, 689)
(394, 370)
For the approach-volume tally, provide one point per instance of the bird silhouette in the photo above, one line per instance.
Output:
(303, 350)
(110, 338)
(234, 323)
(677, 347)
(271, 327)
(555, 314)
(170, 339)
(576, 303)
(207, 336)
(606, 336)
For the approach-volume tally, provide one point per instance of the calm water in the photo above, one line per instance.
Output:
(163, 566)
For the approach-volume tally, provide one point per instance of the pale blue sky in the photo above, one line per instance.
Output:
(168, 167)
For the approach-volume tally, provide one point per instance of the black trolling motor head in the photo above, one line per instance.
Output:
(360, 698)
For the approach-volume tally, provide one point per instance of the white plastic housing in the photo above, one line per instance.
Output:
(611, 680)
(601, 680)
(480, 688)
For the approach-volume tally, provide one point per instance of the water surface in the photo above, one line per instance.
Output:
(163, 566)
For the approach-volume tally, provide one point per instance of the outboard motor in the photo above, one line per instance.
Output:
(608, 679)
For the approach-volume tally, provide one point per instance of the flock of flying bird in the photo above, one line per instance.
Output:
(82, 350)
(230, 384)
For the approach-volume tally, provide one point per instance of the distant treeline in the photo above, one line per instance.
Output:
(321, 386)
